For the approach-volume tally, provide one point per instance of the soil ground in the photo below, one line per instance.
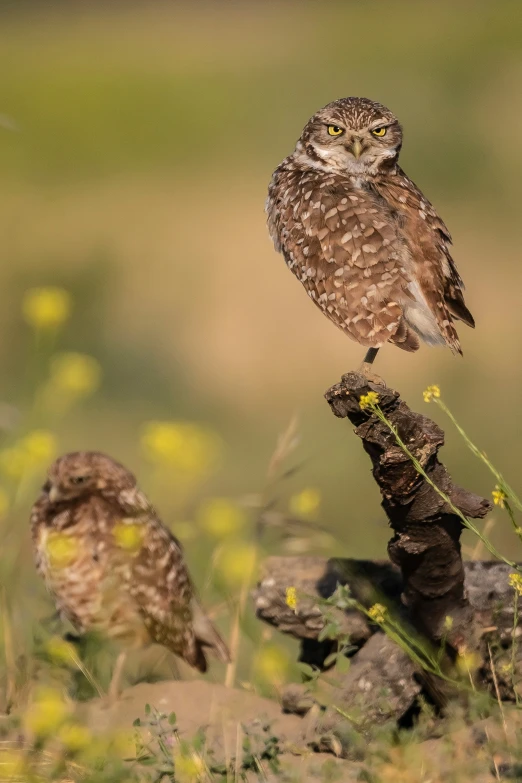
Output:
(482, 751)
(222, 711)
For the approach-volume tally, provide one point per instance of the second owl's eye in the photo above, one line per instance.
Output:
(79, 479)
(335, 130)
(379, 132)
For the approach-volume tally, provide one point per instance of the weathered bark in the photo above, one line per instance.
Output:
(426, 541)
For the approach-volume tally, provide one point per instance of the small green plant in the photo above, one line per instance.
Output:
(166, 756)
(425, 656)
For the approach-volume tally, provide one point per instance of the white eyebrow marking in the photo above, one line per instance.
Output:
(381, 124)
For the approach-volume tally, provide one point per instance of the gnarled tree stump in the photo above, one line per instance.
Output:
(426, 581)
(426, 541)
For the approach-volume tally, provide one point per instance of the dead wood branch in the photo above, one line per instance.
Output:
(426, 541)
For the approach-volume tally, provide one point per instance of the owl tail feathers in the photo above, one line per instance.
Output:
(459, 310)
(207, 639)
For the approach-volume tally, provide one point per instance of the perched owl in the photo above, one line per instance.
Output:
(368, 247)
(111, 565)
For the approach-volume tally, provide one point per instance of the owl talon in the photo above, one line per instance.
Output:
(366, 370)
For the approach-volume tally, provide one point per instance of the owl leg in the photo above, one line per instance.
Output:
(114, 686)
(369, 359)
(366, 367)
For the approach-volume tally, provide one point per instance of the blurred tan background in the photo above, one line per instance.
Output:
(136, 145)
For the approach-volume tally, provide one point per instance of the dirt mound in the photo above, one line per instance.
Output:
(225, 713)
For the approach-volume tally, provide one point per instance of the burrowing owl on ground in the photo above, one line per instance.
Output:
(368, 247)
(111, 565)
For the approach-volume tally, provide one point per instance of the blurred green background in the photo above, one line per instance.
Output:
(136, 144)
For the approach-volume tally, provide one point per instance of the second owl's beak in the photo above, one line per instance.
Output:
(54, 494)
(356, 148)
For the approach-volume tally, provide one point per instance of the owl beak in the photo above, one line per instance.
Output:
(54, 494)
(356, 148)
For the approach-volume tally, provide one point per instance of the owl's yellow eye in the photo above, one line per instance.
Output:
(335, 130)
(379, 132)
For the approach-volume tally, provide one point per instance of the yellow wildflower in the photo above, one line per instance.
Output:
(182, 445)
(39, 446)
(189, 767)
(235, 563)
(305, 503)
(515, 581)
(75, 374)
(74, 737)
(448, 622)
(162, 440)
(431, 392)
(100, 746)
(12, 765)
(47, 713)
(369, 400)
(123, 743)
(377, 613)
(221, 517)
(499, 497)
(271, 664)
(34, 450)
(46, 308)
(129, 535)
(60, 651)
(467, 661)
(291, 598)
(62, 549)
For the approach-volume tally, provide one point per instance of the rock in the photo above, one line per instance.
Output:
(486, 583)
(312, 578)
(380, 684)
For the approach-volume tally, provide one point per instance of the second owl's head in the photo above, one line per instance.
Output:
(83, 473)
(351, 135)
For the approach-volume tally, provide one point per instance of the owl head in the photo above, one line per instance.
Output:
(352, 136)
(83, 473)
